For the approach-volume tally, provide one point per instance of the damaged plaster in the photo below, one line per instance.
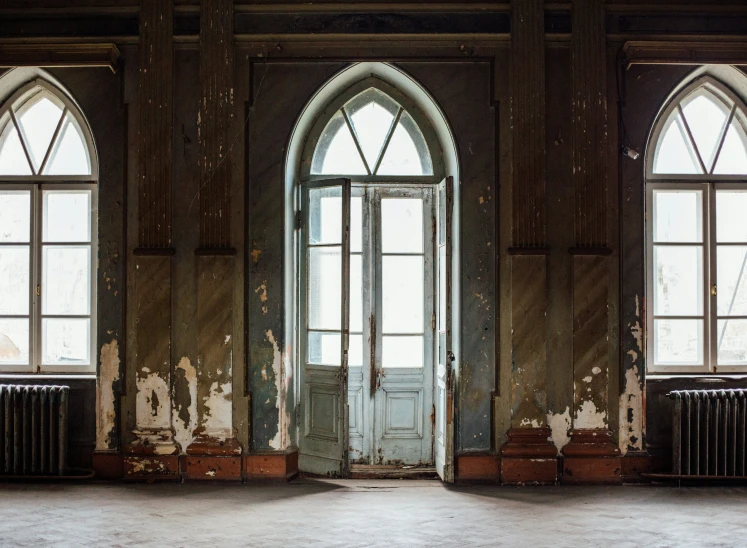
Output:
(588, 416)
(105, 400)
(152, 400)
(280, 441)
(184, 417)
(631, 413)
(218, 410)
(560, 424)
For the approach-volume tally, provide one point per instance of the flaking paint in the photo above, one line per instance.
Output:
(560, 425)
(105, 399)
(151, 402)
(184, 413)
(280, 441)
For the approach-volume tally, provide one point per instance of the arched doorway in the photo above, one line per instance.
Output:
(373, 263)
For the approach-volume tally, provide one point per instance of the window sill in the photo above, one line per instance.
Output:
(47, 376)
(706, 377)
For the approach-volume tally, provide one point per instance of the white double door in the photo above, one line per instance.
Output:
(392, 325)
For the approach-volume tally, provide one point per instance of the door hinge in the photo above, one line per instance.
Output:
(299, 220)
(433, 321)
(38, 291)
(433, 226)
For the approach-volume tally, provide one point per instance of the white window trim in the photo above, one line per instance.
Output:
(708, 184)
(37, 184)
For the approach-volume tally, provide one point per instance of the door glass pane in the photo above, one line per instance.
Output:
(325, 216)
(324, 348)
(15, 291)
(731, 216)
(402, 225)
(66, 341)
(678, 216)
(732, 342)
(356, 224)
(402, 351)
(355, 351)
(402, 301)
(66, 286)
(356, 294)
(732, 280)
(678, 342)
(15, 211)
(14, 341)
(678, 280)
(324, 288)
(67, 216)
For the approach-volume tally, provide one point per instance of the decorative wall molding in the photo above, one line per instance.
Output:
(59, 55)
(680, 52)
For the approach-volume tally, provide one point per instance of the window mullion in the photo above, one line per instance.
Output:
(711, 279)
(36, 253)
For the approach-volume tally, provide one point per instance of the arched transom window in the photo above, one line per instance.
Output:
(697, 234)
(372, 132)
(47, 233)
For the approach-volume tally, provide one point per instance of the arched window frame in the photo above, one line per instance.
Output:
(37, 184)
(708, 184)
(407, 105)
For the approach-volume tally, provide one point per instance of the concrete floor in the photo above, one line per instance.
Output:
(369, 513)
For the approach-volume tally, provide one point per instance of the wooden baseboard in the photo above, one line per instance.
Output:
(151, 467)
(276, 466)
(108, 466)
(478, 468)
(591, 457)
(528, 458)
(211, 467)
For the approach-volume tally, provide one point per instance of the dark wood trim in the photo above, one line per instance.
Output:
(60, 55)
(591, 251)
(684, 53)
(215, 251)
(528, 251)
(154, 251)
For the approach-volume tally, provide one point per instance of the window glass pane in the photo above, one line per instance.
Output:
(407, 153)
(732, 342)
(371, 122)
(324, 348)
(678, 280)
(67, 216)
(402, 351)
(66, 341)
(15, 211)
(355, 351)
(12, 157)
(325, 215)
(336, 153)
(38, 119)
(402, 225)
(732, 160)
(356, 224)
(69, 154)
(678, 342)
(732, 280)
(678, 216)
(356, 293)
(673, 154)
(402, 301)
(15, 290)
(706, 116)
(66, 285)
(14, 341)
(731, 216)
(325, 288)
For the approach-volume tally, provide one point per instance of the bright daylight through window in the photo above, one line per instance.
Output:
(697, 234)
(47, 235)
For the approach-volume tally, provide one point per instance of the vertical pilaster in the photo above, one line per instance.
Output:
(154, 451)
(591, 455)
(215, 451)
(528, 456)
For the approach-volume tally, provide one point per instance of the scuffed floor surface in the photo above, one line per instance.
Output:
(370, 513)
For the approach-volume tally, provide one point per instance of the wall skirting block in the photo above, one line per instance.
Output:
(528, 457)
(151, 467)
(478, 468)
(591, 457)
(107, 465)
(211, 467)
(277, 466)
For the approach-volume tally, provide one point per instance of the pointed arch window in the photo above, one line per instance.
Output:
(47, 233)
(697, 235)
(373, 132)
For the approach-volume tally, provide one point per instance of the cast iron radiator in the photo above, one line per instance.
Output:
(33, 430)
(708, 433)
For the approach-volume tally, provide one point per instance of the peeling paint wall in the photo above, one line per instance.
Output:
(106, 412)
(560, 425)
(184, 412)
